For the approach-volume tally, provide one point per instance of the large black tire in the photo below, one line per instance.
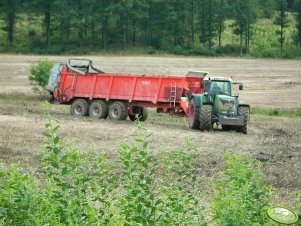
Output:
(79, 107)
(98, 109)
(193, 115)
(243, 111)
(139, 112)
(144, 114)
(206, 118)
(118, 111)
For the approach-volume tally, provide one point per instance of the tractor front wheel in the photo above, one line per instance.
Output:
(205, 118)
(79, 107)
(193, 115)
(243, 111)
(118, 111)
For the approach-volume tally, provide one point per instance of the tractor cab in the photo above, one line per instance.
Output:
(213, 86)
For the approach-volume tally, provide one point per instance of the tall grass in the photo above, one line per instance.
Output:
(294, 113)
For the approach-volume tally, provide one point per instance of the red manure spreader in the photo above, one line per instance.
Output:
(93, 92)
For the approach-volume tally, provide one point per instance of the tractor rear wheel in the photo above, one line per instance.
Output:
(118, 111)
(98, 109)
(205, 118)
(139, 112)
(79, 107)
(193, 115)
(243, 111)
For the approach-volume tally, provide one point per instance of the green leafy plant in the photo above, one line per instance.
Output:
(17, 196)
(39, 75)
(78, 188)
(181, 197)
(241, 195)
(157, 192)
(137, 200)
(79, 193)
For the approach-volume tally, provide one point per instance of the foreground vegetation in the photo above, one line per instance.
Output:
(76, 188)
(270, 28)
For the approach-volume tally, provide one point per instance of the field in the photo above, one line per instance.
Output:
(270, 84)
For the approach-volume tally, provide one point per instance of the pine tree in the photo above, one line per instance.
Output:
(298, 24)
(47, 4)
(244, 15)
(281, 20)
(208, 21)
(222, 15)
(267, 7)
(9, 9)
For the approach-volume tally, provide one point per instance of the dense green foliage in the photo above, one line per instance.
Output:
(241, 194)
(201, 27)
(39, 74)
(76, 188)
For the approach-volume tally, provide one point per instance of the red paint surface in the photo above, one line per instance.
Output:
(138, 90)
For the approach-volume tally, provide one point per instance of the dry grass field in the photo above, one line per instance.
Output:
(275, 141)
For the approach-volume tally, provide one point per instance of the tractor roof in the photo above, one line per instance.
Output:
(217, 78)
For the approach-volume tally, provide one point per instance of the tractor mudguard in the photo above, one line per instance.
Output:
(197, 100)
(244, 105)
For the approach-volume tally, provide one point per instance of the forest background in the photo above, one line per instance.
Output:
(257, 28)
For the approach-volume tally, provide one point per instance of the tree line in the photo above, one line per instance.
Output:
(159, 24)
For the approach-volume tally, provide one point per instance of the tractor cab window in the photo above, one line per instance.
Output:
(220, 87)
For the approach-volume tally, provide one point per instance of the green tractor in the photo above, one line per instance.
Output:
(217, 105)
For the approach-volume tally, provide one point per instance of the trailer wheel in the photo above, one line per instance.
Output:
(144, 114)
(98, 109)
(136, 111)
(118, 111)
(205, 118)
(79, 107)
(243, 111)
(132, 117)
(139, 112)
(193, 116)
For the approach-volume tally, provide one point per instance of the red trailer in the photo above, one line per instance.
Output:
(100, 94)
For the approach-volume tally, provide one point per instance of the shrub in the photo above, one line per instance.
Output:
(75, 189)
(39, 75)
(158, 192)
(181, 197)
(151, 51)
(241, 195)
(17, 196)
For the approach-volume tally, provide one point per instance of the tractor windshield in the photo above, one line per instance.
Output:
(220, 87)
